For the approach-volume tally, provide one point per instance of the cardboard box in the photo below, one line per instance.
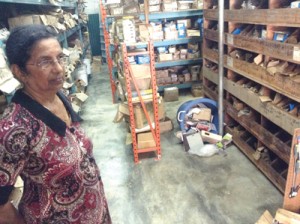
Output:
(210, 137)
(193, 33)
(171, 94)
(184, 6)
(165, 57)
(166, 125)
(171, 35)
(192, 141)
(156, 35)
(144, 32)
(140, 118)
(145, 140)
(172, 49)
(187, 77)
(169, 6)
(193, 55)
(132, 8)
(187, 23)
(193, 46)
(142, 76)
(164, 73)
(204, 114)
(24, 20)
(129, 33)
(154, 2)
(154, 8)
(112, 2)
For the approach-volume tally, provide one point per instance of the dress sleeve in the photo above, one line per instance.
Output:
(5, 193)
(13, 150)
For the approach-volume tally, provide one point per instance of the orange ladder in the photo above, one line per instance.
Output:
(130, 79)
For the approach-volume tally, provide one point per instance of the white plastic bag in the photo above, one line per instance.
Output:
(205, 151)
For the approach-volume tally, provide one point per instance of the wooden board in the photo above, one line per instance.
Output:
(279, 83)
(276, 49)
(287, 217)
(262, 134)
(279, 117)
(273, 17)
(266, 218)
(292, 203)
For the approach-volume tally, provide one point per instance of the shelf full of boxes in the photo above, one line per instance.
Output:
(174, 29)
(261, 78)
(69, 21)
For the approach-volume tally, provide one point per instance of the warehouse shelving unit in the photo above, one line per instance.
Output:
(106, 38)
(40, 2)
(107, 19)
(131, 81)
(65, 4)
(261, 108)
(10, 9)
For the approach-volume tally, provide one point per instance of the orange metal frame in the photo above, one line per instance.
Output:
(293, 178)
(107, 50)
(131, 79)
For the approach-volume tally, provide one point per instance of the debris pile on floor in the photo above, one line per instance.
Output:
(198, 132)
(200, 118)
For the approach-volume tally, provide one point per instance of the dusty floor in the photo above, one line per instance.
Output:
(180, 188)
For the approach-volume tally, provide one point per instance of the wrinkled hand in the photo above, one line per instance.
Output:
(10, 215)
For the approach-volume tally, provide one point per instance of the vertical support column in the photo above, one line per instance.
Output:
(130, 104)
(221, 65)
(107, 50)
(155, 100)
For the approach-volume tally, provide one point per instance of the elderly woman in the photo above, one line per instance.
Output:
(41, 140)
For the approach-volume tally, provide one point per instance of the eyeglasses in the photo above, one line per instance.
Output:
(47, 63)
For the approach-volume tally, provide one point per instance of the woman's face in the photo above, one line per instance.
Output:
(44, 71)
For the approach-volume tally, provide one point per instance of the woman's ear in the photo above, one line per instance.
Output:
(18, 73)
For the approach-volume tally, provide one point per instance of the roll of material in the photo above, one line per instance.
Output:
(87, 63)
(81, 75)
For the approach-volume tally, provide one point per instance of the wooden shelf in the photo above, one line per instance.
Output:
(276, 178)
(283, 51)
(68, 4)
(163, 15)
(164, 64)
(276, 17)
(279, 83)
(185, 85)
(267, 125)
(281, 149)
(279, 117)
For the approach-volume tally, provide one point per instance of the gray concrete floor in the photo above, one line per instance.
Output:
(180, 188)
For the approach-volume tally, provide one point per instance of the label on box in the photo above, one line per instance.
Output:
(230, 61)
(230, 39)
(296, 53)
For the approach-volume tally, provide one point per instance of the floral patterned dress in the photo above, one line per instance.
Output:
(62, 182)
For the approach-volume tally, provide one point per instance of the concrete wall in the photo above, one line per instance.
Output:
(92, 7)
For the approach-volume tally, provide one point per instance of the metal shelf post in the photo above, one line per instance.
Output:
(107, 50)
(129, 76)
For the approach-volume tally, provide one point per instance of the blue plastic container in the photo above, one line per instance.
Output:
(200, 24)
(185, 107)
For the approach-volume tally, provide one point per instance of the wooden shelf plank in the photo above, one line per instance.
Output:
(273, 17)
(276, 49)
(262, 134)
(41, 2)
(163, 15)
(275, 177)
(279, 117)
(279, 83)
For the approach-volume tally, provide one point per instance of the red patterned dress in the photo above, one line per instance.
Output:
(62, 182)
